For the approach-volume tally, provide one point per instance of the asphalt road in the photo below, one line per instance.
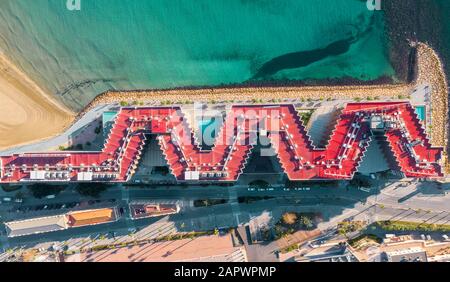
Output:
(336, 204)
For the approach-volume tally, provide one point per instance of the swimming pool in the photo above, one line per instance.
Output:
(420, 110)
(208, 126)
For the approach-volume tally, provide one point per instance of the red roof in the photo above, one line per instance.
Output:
(228, 157)
(159, 126)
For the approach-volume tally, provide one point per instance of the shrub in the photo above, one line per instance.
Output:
(91, 189)
(43, 190)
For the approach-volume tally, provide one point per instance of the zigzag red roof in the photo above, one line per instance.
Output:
(226, 160)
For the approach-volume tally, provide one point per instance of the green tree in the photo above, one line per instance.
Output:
(19, 195)
(306, 221)
(43, 190)
(91, 189)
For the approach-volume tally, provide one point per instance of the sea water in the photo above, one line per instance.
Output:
(141, 44)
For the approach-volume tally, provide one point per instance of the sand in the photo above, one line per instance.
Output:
(27, 113)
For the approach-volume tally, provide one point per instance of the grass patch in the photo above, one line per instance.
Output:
(289, 249)
(350, 226)
(412, 226)
(362, 239)
(305, 116)
(181, 236)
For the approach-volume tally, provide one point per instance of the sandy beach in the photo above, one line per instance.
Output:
(27, 113)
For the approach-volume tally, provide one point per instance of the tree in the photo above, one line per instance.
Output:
(98, 129)
(259, 184)
(43, 190)
(91, 189)
(306, 221)
(19, 195)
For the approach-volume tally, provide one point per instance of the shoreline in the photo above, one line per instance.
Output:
(27, 113)
(403, 20)
(428, 69)
(427, 64)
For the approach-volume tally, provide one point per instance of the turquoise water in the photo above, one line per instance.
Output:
(107, 121)
(444, 8)
(136, 44)
(208, 126)
(108, 116)
(420, 110)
